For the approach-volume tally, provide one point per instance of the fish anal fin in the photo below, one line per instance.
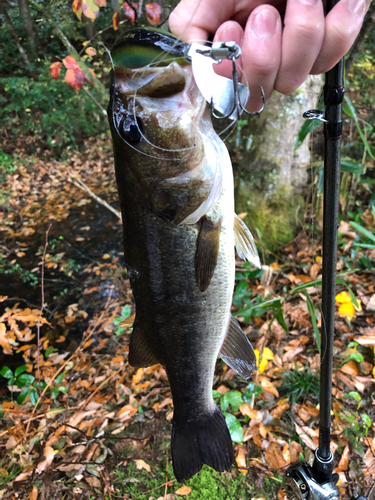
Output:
(207, 252)
(244, 241)
(140, 354)
(237, 352)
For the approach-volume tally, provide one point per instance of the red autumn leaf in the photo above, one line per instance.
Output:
(153, 11)
(91, 51)
(70, 62)
(75, 78)
(101, 3)
(77, 8)
(55, 69)
(129, 13)
(116, 19)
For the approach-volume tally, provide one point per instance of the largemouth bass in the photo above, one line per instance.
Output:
(175, 185)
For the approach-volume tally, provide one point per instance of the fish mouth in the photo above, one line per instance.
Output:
(165, 106)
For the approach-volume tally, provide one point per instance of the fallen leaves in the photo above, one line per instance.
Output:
(141, 464)
(183, 491)
(47, 459)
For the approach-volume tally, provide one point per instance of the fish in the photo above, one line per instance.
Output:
(175, 185)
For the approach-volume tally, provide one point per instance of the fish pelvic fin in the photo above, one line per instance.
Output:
(204, 440)
(140, 354)
(237, 352)
(207, 252)
(244, 241)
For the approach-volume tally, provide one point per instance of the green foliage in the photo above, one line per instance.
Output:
(297, 384)
(125, 313)
(14, 267)
(22, 380)
(51, 110)
(29, 385)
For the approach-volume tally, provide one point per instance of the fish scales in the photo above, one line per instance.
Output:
(175, 186)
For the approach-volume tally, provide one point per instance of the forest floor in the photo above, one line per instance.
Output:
(78, 422)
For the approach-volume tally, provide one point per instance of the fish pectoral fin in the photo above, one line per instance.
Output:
(244, 241)
(237, 352)
(207, 251)
(140, 354)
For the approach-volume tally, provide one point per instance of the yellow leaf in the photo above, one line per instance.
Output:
(343, 297)
(183, 491)
(106, 256)
(267, 353)
(319, 260)
(347, 310)
(141, 464)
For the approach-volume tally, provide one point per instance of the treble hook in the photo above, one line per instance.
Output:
(230, 51)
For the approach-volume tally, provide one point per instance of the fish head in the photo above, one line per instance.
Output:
(159, 126)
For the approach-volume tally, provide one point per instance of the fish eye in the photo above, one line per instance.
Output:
(131, 129)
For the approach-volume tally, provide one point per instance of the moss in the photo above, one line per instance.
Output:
(207, 484)
(273, 215)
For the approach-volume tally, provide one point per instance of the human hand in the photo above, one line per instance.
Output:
(281, 43)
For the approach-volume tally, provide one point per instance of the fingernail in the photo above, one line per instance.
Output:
(356, 6)
(309, 2)
(265, 22)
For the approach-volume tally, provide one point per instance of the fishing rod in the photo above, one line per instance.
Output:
(318, 482)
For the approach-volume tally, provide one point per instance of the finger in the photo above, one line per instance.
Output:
(261, 53)
(229, 32)
(302, 40)
(343, 23)
(194, 20)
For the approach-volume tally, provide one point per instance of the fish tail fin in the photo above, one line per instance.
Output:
(204, 440)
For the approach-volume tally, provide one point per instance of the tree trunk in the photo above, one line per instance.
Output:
(90, 28)
(28, 21)
(115, 5)
(14, 34)
(269, 173)
(368, 25)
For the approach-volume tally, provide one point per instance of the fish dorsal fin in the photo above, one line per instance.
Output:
(237, 352)
(140, 354)
(206, 252)
(244, 241)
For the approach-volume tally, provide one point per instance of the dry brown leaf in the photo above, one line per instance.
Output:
(268, 386)
(94, 482)
(281, 495)
(241, 461)
(141, 464)
(274, 456)
(350, 368)
(183, 491)
(48, 456)
(344, 460)
(279, 410)
(33, 495)
(305, 434)
(4, 342)
(247, 410)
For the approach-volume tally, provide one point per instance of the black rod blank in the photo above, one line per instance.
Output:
(333, 97)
